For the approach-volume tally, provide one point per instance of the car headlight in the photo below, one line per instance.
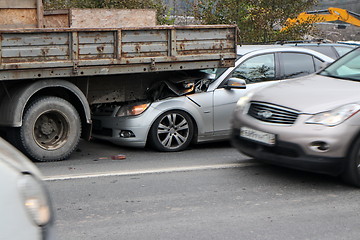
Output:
(35, 199)
(244, 100)
(336, 116)
(132, 109)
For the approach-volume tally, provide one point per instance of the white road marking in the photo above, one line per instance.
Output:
(147, 171)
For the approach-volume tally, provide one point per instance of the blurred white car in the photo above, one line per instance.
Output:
(25, 208)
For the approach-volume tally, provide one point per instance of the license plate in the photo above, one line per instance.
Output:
(258, 136)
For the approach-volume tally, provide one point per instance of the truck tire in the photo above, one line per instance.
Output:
(172, 131)
(51, 129)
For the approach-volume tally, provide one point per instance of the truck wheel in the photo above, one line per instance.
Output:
(172, 131)
(351, 174)
(51, 129)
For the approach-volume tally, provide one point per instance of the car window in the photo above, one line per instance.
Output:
(342, 50)
(296, 64)
(318, 63)
(327, 50)
(256, 69)
(213, 73)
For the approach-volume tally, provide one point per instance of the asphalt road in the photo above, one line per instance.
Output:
(208, 192)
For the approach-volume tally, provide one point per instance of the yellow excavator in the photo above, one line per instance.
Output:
(327, 15)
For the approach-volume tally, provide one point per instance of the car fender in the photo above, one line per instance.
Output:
(14, 106)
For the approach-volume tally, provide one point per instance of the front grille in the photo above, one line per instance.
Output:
(272, 113)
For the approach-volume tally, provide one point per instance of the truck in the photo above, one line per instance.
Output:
(51, 76)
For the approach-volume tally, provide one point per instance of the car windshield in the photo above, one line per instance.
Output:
(214, 73)
(347, 67)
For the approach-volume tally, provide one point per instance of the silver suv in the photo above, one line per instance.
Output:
(310, 123)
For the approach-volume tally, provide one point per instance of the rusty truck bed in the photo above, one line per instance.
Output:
(51, 53)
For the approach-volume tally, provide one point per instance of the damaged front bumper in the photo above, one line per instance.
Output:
(126, 131)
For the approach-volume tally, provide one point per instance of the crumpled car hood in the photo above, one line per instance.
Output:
(311, 94)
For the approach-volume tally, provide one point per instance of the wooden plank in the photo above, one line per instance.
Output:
(144, 36)
(172, 43)
(96, 56)
(96, 37)
(40, 13)
(18, 18)
(112, 18)
(204, 34)
(35, 51)
(18, 3)
(135, 47)
(144, 54)
(31, 60)
(34, 39)
(75, 46)
(56, 19)
(198, 45)
(118, 44)
(1, 37)
(96, 49)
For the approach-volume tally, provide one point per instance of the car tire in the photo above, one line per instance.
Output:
(51, 129)
(172, 131)
(351, 174)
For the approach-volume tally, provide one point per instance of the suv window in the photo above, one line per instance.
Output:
(327, 50)
(296, 65)
(342, 50)
(257, 69)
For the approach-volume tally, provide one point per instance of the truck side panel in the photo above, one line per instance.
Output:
(47, 53)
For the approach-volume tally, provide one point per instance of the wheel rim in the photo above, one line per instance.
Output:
(51, 130)
(173, 131)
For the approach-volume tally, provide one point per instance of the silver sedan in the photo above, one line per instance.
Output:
(199, 108)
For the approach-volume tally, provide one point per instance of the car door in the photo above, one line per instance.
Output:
(257, 71)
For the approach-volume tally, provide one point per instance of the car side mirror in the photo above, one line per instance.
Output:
(235, 83)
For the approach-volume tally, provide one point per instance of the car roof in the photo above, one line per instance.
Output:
(352, 43)
(261, 49)
(334, 50)
(321, 44)
(244, 49)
